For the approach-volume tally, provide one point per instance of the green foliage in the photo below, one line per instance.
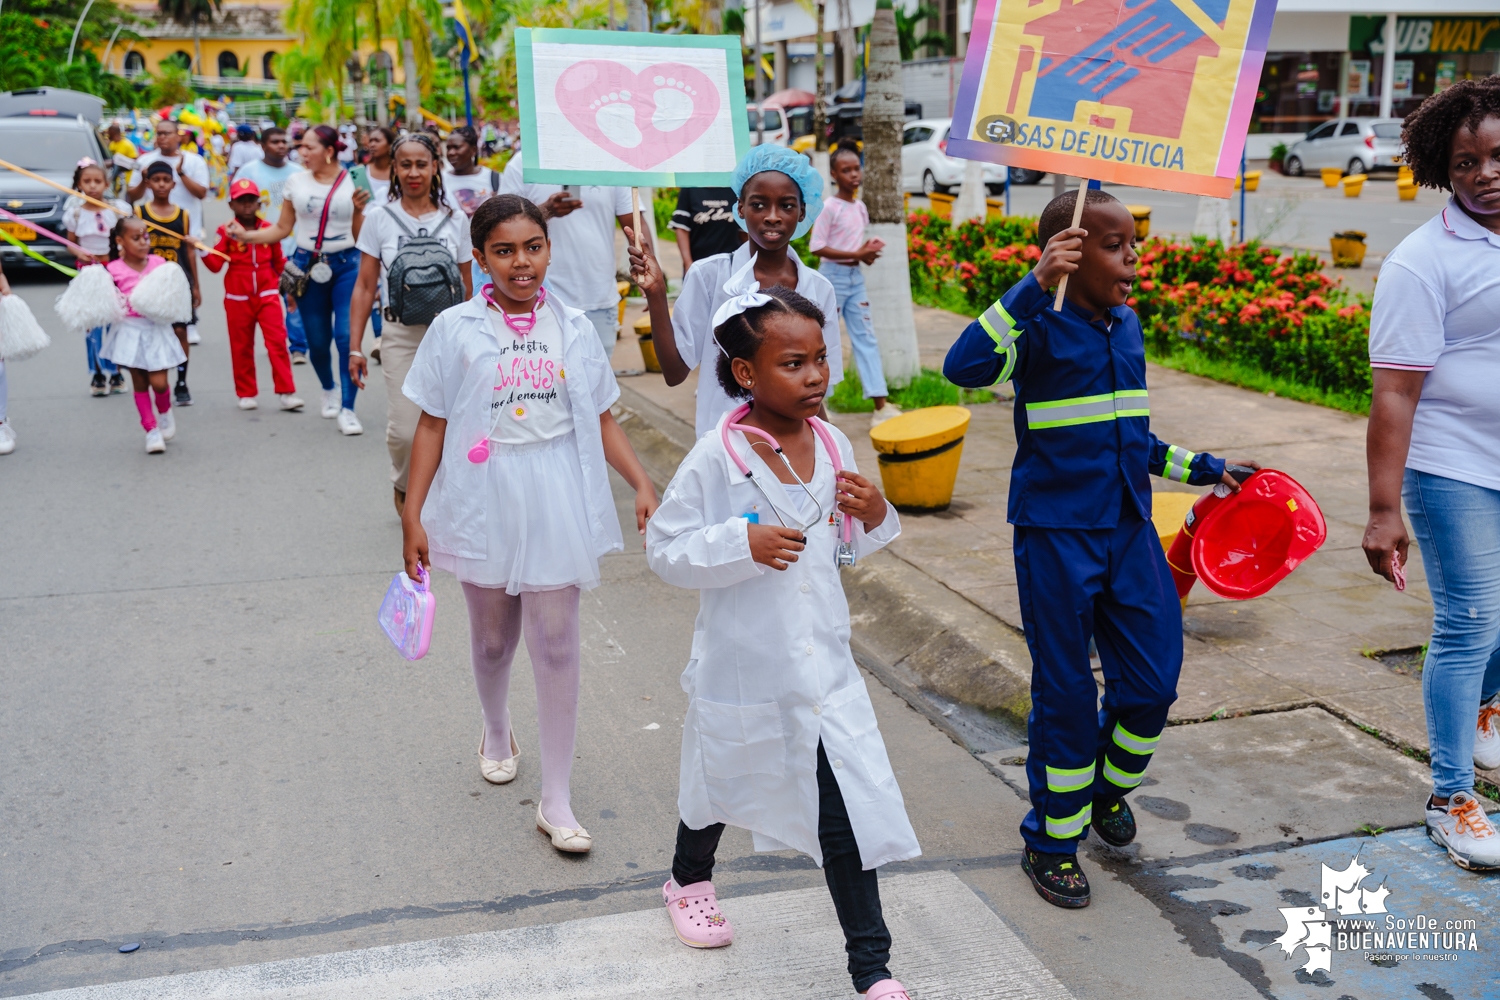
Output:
(801, 245)
(927, 389)
(34, 40)
(663, 204)
(1278, 152)
(906, 32)
(172, 84)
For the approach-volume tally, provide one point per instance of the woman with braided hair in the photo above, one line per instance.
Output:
(1434, 442)
(417, 206)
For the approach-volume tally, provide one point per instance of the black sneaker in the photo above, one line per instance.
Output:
(97, 386)
(1057, 877)
(116, 384)
(1114, 822)
(181, 396)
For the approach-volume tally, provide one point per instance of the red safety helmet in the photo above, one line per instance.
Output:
(1256, 537)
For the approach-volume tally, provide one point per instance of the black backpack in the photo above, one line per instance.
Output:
(423, 279)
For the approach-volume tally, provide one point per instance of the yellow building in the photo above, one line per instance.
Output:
(239, 38)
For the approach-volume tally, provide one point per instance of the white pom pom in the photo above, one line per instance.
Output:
(164, 295)
(21, 335)
(90, 300)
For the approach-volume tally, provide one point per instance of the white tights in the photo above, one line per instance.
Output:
(550, 620)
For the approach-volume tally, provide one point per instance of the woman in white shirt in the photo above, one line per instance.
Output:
(327, 255)
(417, 207)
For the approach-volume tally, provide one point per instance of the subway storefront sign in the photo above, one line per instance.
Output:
(1421, 35)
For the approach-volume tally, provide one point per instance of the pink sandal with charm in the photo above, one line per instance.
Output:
(695, 914)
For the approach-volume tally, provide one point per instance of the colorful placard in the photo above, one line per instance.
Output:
(1152, 93)
(630, 108)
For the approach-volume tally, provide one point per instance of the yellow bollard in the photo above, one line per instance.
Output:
(623, 287)
(1407, 190)
(1252, 180)
(942, 204)
(1142, 216)
(648, 349)
(1353, 184)
(1348, 248)
(994, 209)
(919, 455)
(1331, 176)
(1168, 511)
(1403, 173)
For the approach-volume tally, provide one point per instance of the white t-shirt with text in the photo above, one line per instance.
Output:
(530, 404)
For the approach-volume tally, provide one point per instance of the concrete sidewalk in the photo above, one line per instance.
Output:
(1332, 635)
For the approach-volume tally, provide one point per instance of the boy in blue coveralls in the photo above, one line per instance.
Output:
(1088, 562)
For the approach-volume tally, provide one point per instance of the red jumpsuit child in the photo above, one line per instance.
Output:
(251, 295)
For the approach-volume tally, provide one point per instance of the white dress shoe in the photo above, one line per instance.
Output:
(498, 772)
(349, 424)
(569, 841)
(249, 403)
(331, 403)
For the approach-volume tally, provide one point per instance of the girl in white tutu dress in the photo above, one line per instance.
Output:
(509, 489)
(145, 341)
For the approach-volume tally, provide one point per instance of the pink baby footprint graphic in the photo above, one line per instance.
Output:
(641, 118)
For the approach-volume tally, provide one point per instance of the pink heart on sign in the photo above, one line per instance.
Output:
(642, 118)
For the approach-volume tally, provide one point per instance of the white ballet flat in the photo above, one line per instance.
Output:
(571, 841)
(498, 772)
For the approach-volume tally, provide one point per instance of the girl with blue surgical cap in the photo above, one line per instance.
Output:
(780, 195)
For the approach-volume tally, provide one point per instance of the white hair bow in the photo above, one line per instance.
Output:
(744, 293)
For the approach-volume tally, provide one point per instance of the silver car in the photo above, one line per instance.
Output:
(927, 167)
(1354, 145)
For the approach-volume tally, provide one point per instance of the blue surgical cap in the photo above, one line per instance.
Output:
(794, 165)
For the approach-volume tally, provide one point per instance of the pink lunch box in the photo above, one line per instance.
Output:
(406, 614)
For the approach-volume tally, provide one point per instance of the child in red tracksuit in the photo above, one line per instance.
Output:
(252, 295)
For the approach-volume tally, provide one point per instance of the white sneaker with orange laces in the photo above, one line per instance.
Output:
(1465, 831)
(1487, 736)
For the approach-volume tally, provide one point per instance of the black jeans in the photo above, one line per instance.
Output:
(855, 892)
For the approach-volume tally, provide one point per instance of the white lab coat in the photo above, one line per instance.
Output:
(771, 673)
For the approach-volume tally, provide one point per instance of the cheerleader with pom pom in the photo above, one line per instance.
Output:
(20, 337)
(146, 342)
(89, 226)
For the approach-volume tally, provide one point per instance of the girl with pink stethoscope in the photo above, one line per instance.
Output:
(508, 488)
(780, 736)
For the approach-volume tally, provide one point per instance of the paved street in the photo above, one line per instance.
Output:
(209, 748)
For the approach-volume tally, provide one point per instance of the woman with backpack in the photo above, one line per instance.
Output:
(415, 253)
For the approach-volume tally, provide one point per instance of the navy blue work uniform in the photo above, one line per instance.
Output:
(1088, 561)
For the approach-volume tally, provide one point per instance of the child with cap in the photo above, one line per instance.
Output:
(779, 197)
(1088, 561)
(252, 295)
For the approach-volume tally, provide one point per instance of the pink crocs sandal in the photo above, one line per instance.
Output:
(694, 910)
(887, 989)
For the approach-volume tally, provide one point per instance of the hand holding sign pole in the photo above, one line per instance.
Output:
(1083, 196)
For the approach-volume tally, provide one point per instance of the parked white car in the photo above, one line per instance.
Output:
(927, 167)
(1354, 145)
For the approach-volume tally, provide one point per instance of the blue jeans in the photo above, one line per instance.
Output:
(854, 305)
(296, 337)
(1458, 529)
(93, 339)
(325, 317)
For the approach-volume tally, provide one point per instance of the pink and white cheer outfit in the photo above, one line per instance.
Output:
(135, 341)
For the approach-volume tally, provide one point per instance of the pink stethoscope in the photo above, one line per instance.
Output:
(844, 554)
(521, 326)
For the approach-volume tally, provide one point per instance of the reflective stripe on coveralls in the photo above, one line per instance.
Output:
(1088, 409)
(1119, 778)
(1126, 740)
(1004, 332)
(1070, 826)
(1179, 463)
(1069, 779)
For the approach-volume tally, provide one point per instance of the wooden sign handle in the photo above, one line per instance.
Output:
(635, 208)
(1083, 196)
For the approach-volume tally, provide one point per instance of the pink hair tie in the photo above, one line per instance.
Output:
(87, 161)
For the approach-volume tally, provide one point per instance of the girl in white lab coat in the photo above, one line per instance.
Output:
(508, 488)
(780, 736)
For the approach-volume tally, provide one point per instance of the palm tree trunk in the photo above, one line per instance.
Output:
(889, 281)
(413, 91)
(197, 47)
(820, 90)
